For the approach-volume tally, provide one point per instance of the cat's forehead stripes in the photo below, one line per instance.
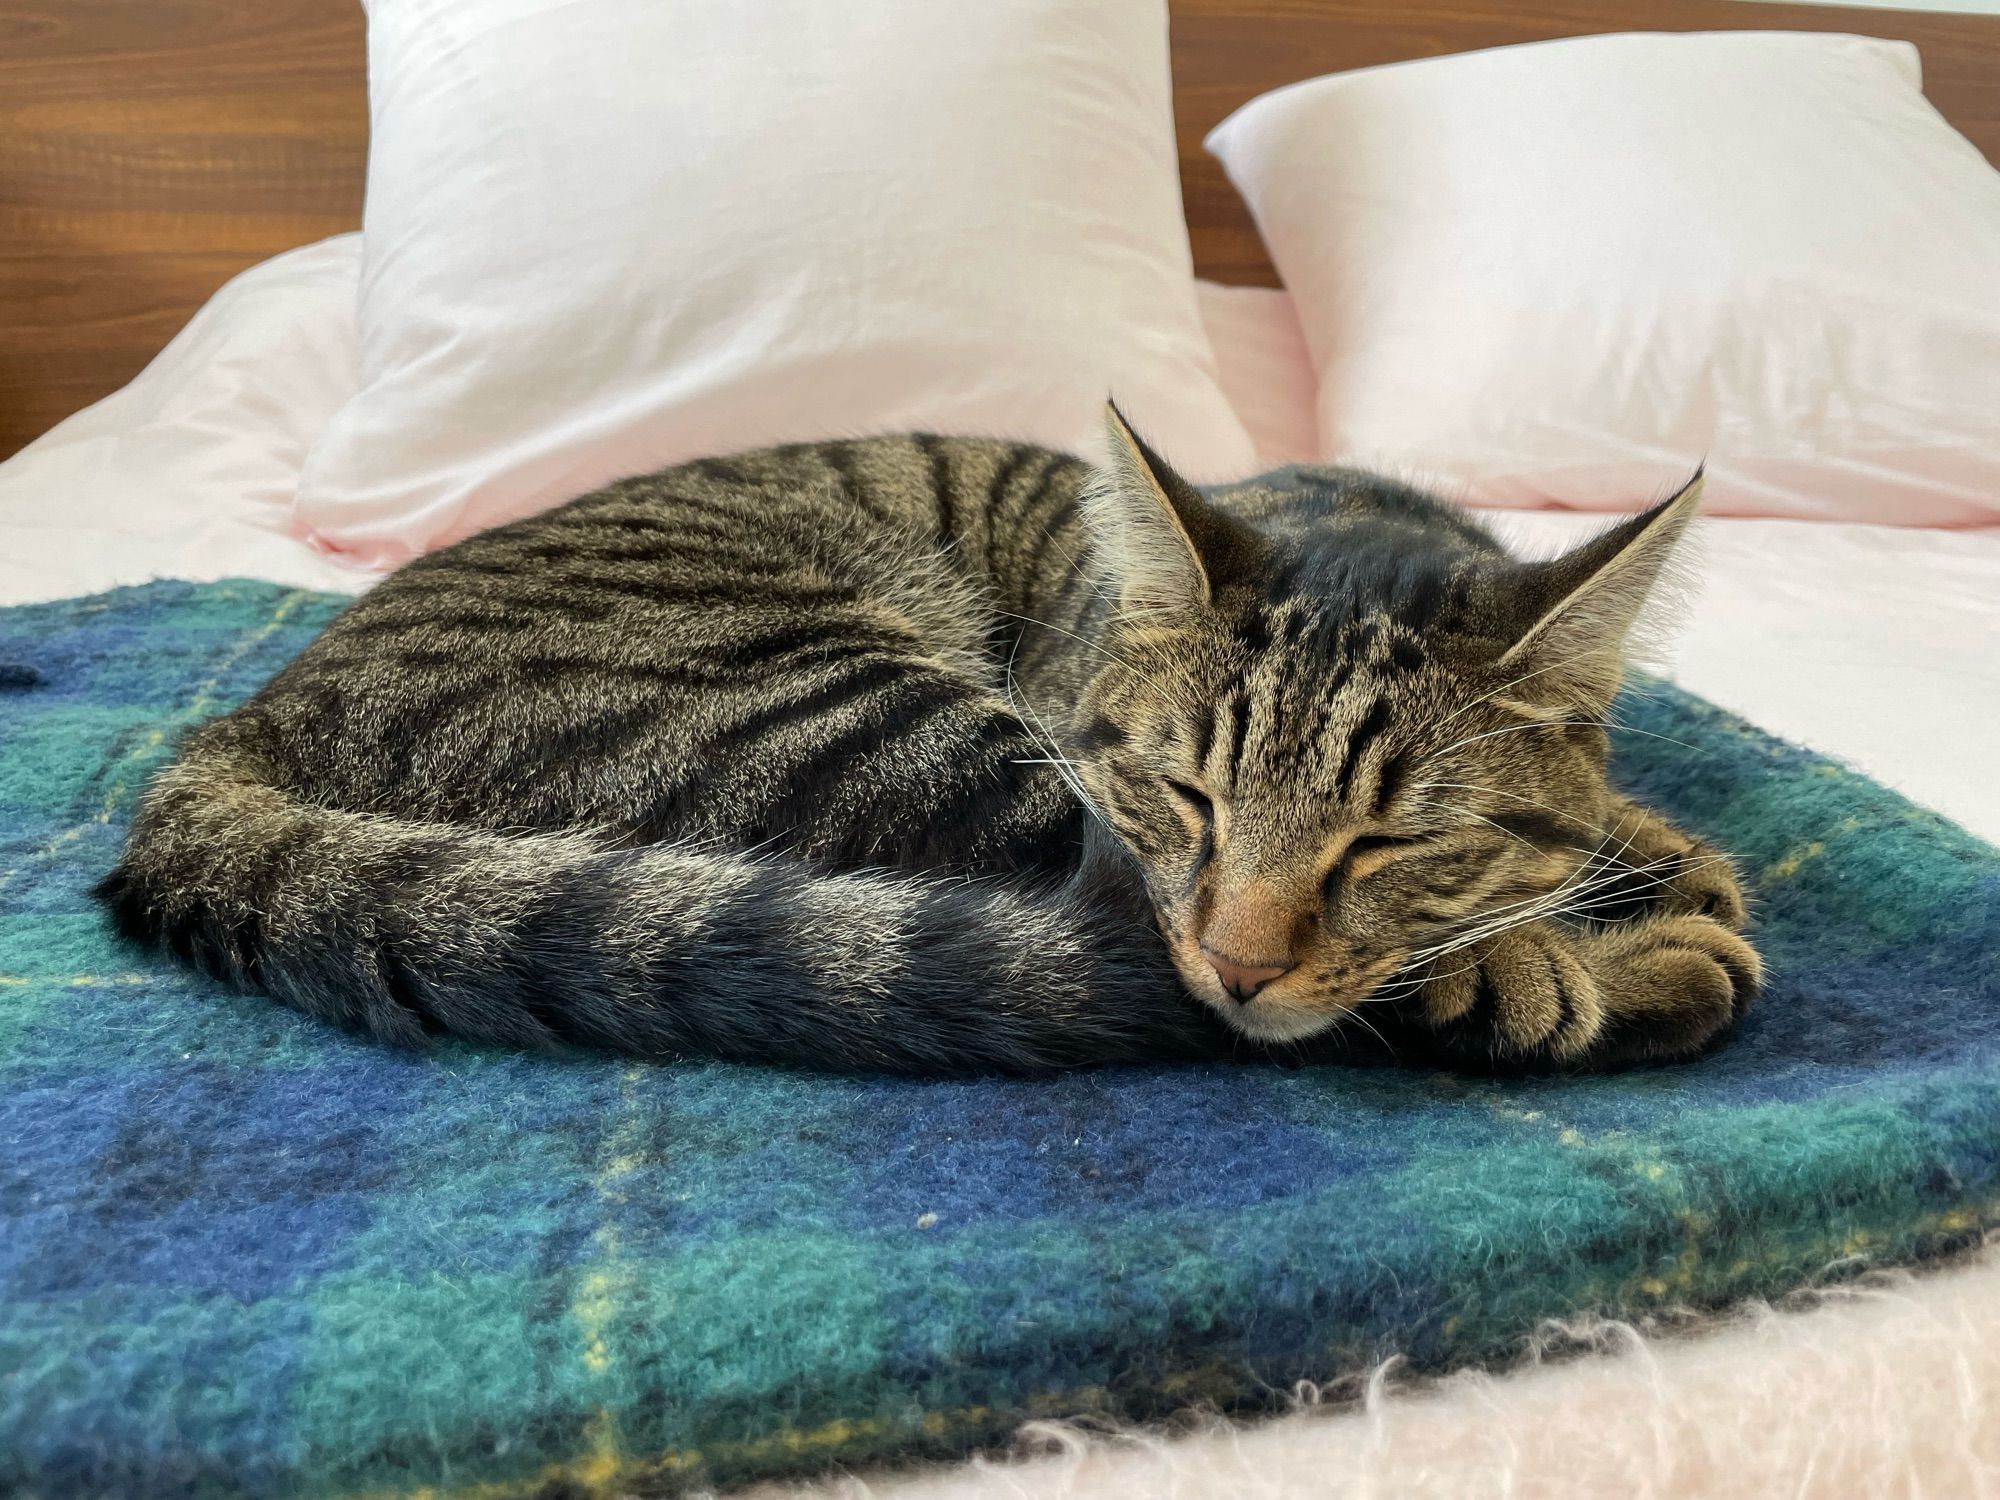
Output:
(1359, 739)
(1319, 704)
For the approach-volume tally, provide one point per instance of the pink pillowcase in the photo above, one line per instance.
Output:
(1265, 369)
(1563, 274)
(607, 235)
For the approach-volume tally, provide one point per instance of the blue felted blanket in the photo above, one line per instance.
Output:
(243, 1253)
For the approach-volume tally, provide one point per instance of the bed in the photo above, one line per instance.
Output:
(240, 134)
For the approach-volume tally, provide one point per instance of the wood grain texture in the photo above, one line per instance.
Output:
(150, 149)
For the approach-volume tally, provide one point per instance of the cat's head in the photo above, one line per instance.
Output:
(1335, 746)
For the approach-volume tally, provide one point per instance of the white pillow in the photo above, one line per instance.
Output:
(606, 235)
(1562, 273)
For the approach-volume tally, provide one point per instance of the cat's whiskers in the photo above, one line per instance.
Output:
(1487, 697)
(1353, 1013)
(1626, 887)
(1082, 640)
(1495, 791)
(1581, 893)
(1434, 978)
(1039, 731)
(1503, 919)
(1091, 580)
(1609, 725)
(1499, 828)
(1404, 983)
(1494, 913)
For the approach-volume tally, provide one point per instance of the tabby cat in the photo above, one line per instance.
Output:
(933, 754)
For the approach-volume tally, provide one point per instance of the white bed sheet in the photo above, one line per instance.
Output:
(1880, 645)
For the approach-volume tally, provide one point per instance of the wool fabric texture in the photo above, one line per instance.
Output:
(241, 1252)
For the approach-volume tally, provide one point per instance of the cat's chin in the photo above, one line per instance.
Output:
(1271, 1023)
(1264, 1020)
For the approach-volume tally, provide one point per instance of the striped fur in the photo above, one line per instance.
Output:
(933, 754)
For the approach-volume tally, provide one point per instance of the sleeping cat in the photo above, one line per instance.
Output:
(933, 754)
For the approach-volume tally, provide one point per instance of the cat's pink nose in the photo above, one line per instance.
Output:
(1240, 979)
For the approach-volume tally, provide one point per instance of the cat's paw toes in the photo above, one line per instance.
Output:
(1672, 986)
(1705, 885)
(1525, 994)
(1689, 877)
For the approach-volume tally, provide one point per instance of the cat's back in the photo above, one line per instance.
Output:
(724, 529)
(564, 667)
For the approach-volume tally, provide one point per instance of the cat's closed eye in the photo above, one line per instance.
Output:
(1192, 801)
(1362, 857)
(1369, 843)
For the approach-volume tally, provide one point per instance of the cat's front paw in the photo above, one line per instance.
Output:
(1525, 994)
(1671, 986)
(1655, 869)
(1703, 884)
(1651, 990)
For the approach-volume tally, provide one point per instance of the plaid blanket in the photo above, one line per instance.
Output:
(242, 1253)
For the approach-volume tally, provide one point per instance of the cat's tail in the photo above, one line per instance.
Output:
(409, 929)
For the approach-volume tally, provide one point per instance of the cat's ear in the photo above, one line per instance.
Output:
(1575, 613)
(1161, 545)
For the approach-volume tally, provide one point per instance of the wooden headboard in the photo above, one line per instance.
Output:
(150, 149)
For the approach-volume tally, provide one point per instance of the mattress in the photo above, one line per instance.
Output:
(1878, 644)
